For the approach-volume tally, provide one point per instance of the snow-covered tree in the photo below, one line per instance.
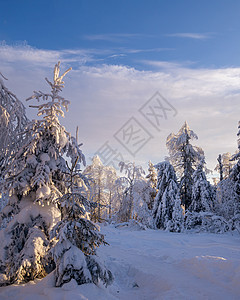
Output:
(228, 163)
(75, 239)
(35, 179)
(141, 195)
(96, 176)
(235, 179)
(111, 177)
(133, 173)
(13, 121)
(176, 224)
(117, 200)
(219, 167)
(152, 181)
(235, 199)
(185, 158)
(167, 212)
(205, 222)
(203, 196)
(101, 180)
(224, 204)
(225, 165)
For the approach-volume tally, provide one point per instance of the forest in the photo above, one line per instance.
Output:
(52, 204)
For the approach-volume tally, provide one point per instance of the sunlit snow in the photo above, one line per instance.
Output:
(152, 264)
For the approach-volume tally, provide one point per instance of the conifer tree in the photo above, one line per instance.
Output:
(203, 195)
(152, 181)
(13, 121)
(185, 158)
(225, 202)
(167, 206)
(75, 239)
(235, 178)
(35, 179)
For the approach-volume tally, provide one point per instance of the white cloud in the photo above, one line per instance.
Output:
(197, 36)
(104, 97)
(114, 37)
(133, 51)
(24, 53)
(163, 64)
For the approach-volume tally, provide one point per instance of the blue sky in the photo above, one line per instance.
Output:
(204, 33)
(122, 53)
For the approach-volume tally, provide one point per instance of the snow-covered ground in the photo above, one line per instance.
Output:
(153, 264)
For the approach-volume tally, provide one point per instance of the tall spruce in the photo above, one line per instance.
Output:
(185, 158)
(13, 121)
(35, 179)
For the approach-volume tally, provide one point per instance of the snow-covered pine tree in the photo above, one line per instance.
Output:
(35, 179)
(185, 158)
(176, 224)
(203, 196)
(13, 121)
(133, 173)
(235, 178)
(152, 181)
(167, 212)
(224, 205)
(75, 239)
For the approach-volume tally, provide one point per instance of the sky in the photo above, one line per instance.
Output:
(140, 70)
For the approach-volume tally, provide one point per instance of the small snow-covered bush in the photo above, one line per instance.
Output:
(205, 222)
(235, 223)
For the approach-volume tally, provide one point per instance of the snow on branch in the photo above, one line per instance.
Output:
(53, 107)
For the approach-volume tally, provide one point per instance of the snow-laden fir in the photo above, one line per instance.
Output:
(47, 224)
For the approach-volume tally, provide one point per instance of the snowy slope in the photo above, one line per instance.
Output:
(153, 265)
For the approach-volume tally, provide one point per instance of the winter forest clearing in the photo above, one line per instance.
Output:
(167, 233)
